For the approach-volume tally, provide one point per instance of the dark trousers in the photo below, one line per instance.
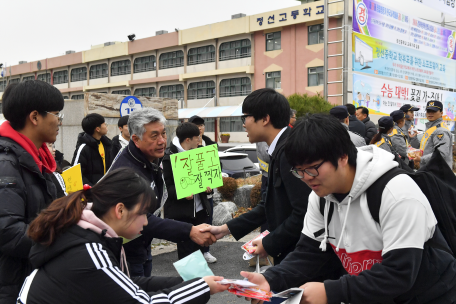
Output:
(141, 270)
(188, 247)
(209, 221)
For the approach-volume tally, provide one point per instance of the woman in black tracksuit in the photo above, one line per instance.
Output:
(78, 256)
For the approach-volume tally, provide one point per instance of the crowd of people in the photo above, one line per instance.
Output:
(327, 236)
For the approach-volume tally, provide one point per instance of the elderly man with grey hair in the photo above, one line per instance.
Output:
(146, 147)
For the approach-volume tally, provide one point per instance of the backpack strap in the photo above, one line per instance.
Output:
(375, 191)
(328, 219)
(76, 160)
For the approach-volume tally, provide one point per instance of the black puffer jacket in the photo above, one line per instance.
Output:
(91, 162)
(357, 126)
(181, 209)
(371, 130)
(83, 267)
(24, 192)
(116, 146)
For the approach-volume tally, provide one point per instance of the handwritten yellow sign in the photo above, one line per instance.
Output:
(73, 179)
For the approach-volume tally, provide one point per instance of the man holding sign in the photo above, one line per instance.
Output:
(195, 208)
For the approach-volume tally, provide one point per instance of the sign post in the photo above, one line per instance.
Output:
(129, 104)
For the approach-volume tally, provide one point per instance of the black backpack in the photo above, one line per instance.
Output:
(438, 183)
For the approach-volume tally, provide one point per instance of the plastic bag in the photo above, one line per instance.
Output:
(193, 266)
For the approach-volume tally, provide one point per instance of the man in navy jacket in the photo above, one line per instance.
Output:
(146, 147)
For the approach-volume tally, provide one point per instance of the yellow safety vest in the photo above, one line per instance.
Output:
(395, 133)
(263, 165)
(381, 142)
(428, 134)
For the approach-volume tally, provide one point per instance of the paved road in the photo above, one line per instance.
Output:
(229, 265)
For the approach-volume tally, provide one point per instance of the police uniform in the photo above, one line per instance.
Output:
(437, 136)
(408, 123)
(398, 138)
(385, 143)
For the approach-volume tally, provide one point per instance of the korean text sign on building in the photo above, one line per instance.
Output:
(377, 57)
(372, 18)
(195, 170)
(446, 6)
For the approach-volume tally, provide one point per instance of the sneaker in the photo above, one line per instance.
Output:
(209, 258)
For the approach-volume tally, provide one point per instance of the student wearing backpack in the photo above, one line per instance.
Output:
(266, 117)
(345, 253)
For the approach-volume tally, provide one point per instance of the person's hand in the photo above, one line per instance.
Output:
(217, 231)
(208, 190)
(417, 159)
(259, 248)
(258, 279)
(202, 238)
(214, 286)
(189, 197)
(411, 133)
(314, 293)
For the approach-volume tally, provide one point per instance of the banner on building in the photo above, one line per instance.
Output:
(376, 57)
(445, 6)
(377, 20)
(383, 96)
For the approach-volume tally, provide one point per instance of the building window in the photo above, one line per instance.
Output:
(235, 87)
(3, 85)
(231, 124)
(60, 77)
(209, 124)
(171, 60)
(79, 74)
(172, 91)
(273, 41)
(45, 77)
(78, 96)
(235, 49)
(273, 80)
(15, 80)
(144, 64)
(201, 90)
(148, 92)
(28, 78)
(122, 67)
(315, 76)
(122, 92)
(99, 71)
(200, 55)
(66, 97)
(316, 35)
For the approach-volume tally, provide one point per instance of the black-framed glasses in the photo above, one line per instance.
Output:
(243, 117)
(59, 116)
(311, 171)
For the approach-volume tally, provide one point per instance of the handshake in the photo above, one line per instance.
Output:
(205, 235)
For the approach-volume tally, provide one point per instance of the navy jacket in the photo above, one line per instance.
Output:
(138, 250)
(357, 126)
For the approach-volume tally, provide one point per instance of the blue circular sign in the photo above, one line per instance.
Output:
(129, 104)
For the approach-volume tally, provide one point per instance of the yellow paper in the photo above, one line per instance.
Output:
(73, 179)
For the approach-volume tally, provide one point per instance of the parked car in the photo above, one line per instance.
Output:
(237, 165)
(249, 149)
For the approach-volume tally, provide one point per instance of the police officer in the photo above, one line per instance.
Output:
(381, 139)
(397, 136)
(341, 113)
(437, 136)
(410, 111)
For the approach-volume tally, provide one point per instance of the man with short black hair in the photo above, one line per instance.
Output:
(199, 122)
(345, 254)
(120, 141)
(341, 113)
(409, 110)
(194, 209)
(437, 136)
(266, 117)
(32, 109)
(362, 113)
(93, 149)
(354, 124)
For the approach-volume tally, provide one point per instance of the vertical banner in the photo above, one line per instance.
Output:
(371, 18)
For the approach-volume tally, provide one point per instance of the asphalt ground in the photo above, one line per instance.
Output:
(229, 265)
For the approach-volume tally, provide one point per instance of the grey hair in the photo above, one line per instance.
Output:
(139, 118)
(292, 112)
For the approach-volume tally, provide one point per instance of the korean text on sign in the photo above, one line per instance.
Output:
(195, 170)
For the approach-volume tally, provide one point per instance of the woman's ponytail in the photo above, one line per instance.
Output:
(57, 218)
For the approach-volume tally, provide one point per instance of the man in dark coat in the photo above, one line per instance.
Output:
(362, 114)
(354, 124)
(146, 147)
(120, 141)
(266, 117)
(32, 109)
(93, 149)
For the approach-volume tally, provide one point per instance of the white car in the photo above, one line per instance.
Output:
(249, 149)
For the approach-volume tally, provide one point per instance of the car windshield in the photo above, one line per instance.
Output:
(237, 163)
(251, 153)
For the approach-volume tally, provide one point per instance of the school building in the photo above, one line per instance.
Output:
(209, 69)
